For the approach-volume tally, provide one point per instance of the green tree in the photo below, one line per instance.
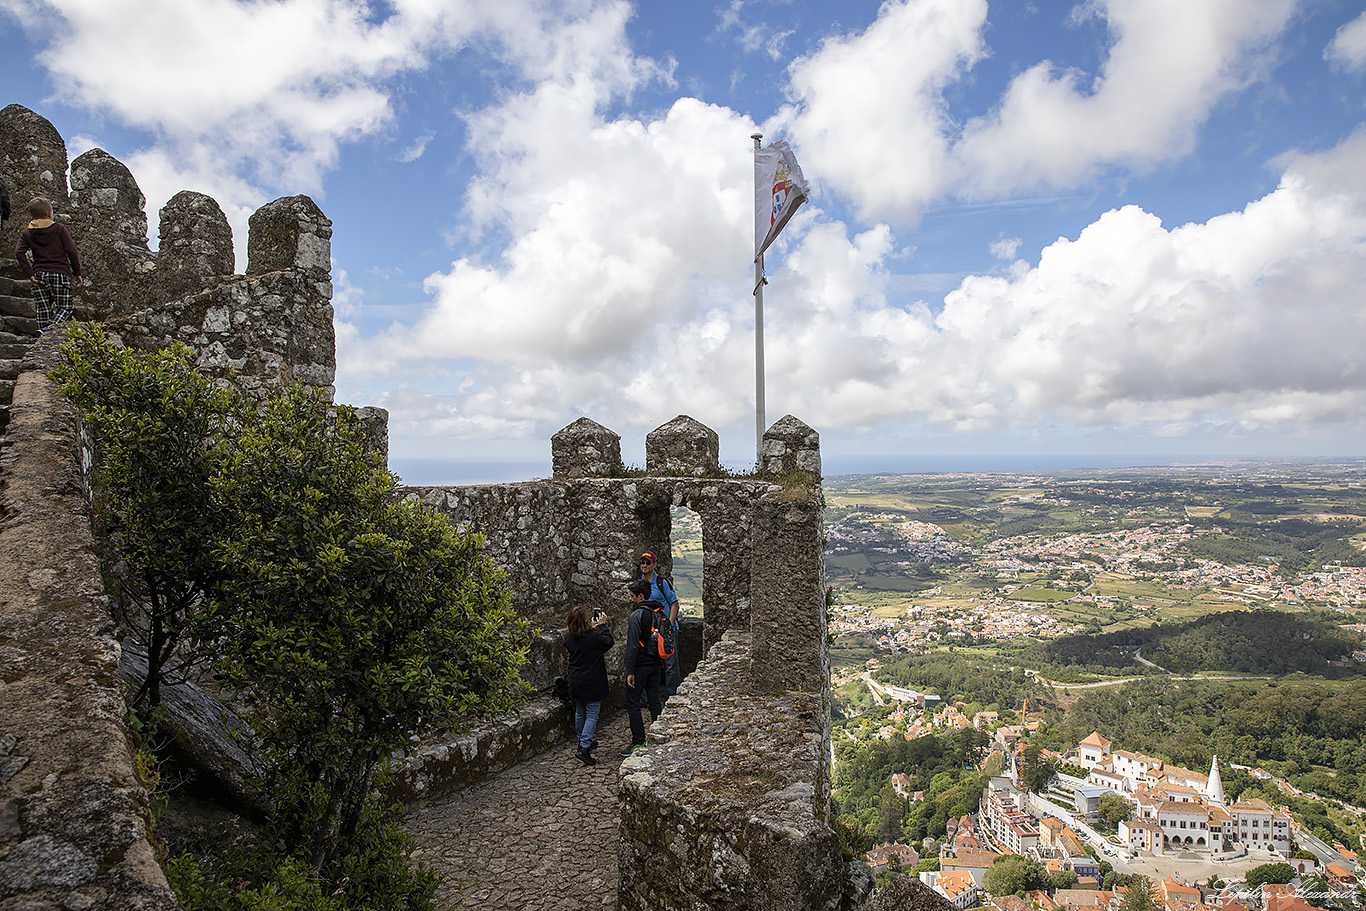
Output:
(1279, 872)
(1062, 879)
(352, 619)
(1036, 770)
(1139, 896)
(1114, 809)
(971, 746)
(891, 813)
(1316, 890)
(161, 430)
(1013, 874)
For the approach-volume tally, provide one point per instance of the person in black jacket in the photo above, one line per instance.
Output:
(643, 668)
(587, 640)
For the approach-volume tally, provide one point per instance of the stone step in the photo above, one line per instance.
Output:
(16, 287)
(19, 325)
(9, 370)
(13, 305)
(9, 268)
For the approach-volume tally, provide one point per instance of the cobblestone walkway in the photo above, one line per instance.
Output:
(541, 836)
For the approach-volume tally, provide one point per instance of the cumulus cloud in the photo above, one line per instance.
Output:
(246, 99)
(872, 106)
(619, 296)
(1249, 320)
(1348, 47)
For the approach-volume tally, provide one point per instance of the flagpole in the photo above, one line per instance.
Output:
(758, 340)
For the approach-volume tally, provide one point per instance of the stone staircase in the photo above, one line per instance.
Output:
(18, 330)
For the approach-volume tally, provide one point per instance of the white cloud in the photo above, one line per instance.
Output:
(1005, 248)
(249, 99)
(1348, 47)
(1170, 63)
(871, 107)
(619, 297)
(418, 146)
(1249, 320)
(752, 36)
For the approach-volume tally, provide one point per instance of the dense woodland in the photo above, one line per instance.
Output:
(1294, 544)
(1265, 642)
(870, 810)
(953, 677)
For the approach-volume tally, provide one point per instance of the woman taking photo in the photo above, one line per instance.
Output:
(587, 640)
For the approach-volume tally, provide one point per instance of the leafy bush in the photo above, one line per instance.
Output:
(268, 537)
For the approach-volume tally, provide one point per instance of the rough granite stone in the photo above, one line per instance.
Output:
(788, 617)
(195, 248)
(789, 447)
(727, 806)
(683, 446)
(109, 226)
(32, 163)
(289, 234)
(906, 893)
(585, 449)
(81, 812)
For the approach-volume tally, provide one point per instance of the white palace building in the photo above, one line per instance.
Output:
(1178, 810)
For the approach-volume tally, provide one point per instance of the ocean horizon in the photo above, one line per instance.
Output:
(425, 472)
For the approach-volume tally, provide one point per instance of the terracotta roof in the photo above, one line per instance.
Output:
(954, 883)
(1095, 740)
(970, 859)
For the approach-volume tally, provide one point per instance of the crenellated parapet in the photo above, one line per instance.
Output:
(107, 211)
(729, 808)
(194, 252)
(271, 325)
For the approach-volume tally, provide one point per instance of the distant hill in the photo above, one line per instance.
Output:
(1243, 642)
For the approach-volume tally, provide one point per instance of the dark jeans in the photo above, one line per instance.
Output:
(645, 691)
(673, 676)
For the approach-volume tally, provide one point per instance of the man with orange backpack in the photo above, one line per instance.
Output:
(662, 590)
(649, 644)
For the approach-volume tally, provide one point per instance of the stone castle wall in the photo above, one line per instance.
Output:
(730, 806)
(73, 814)
(733, 801)
(271, 325)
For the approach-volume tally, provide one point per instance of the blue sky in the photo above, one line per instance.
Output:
(1109, 231)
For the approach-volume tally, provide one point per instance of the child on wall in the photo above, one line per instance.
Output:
(54, 267)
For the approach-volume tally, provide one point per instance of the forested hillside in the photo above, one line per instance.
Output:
(1246, 642)
(1311, 732)
(871, 810)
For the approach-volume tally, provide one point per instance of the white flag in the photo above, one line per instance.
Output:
(779, 188)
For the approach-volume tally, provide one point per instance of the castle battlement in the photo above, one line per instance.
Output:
(729, 808)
